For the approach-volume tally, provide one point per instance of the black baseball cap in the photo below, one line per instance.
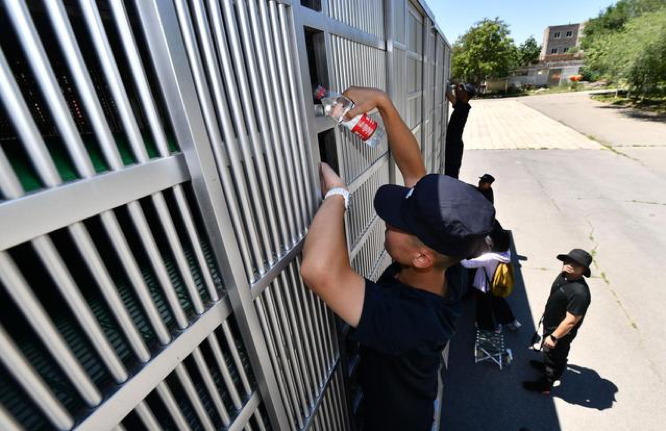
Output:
(487, 178)
(447, 215)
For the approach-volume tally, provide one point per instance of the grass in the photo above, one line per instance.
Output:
(650, 103)
(557, 90)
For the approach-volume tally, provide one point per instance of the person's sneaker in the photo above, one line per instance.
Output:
(515, 325)
(538, 365)
(541, 386)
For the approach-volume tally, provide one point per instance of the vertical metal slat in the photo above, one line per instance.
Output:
(218, 91)
(32, 383)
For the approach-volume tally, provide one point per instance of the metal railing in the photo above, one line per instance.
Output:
(158, 172)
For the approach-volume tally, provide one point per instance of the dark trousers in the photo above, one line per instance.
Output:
(555, 359)
(491, 310)
(453, 151)
(453, 158)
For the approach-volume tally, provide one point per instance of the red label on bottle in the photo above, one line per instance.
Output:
(365, 127)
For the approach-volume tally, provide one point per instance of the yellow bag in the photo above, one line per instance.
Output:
(503, 280)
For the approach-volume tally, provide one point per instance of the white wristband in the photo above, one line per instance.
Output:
(339, 191)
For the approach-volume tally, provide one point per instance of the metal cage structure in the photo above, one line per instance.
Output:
(158, 173)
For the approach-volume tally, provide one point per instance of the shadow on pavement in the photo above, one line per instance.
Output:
(637, 113)
(584, 387)
(480, 396)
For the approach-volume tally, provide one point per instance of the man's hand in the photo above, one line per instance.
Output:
(548, 342)
(329, 179)
(449, 94)
(365, 100)
(402, 143)
(461, 94)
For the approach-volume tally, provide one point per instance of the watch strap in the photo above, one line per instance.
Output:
(339, 191)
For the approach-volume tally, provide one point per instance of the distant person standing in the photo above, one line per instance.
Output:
(485, 187)
(459, 97)
(492, 312)
(565, 310)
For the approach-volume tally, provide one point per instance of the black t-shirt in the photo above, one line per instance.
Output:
(402, 333)
(572, 296)
(456, 126)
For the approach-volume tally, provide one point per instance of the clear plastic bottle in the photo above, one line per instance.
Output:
(336, 106)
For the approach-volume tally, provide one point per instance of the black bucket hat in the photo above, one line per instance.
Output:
(447, 215)
(487, 178)
(580, 257)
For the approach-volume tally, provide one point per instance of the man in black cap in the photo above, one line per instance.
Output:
(485, 187)
(453, 152)
(565, 310)
(405, 319)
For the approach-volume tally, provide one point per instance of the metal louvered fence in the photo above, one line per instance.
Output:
(158, 172)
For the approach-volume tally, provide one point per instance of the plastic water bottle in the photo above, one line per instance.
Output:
(336, 106)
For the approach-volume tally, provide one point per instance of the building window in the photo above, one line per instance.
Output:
(557, 35)
(570, 33)
(565, 49)
(553, 51)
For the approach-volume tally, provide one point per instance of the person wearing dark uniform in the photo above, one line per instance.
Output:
(402, 333)
(563, 316)
(404, 320)
(454, 146)
(485, 187)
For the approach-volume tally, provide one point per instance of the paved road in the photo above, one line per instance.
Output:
(552, 201)
(617, 126)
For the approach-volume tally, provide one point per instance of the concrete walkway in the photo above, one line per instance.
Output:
(507, 124)
(553, 200)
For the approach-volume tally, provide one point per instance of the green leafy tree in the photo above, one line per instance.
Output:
(635, 55)
(528, 51)
(486, 51)
(614, 18)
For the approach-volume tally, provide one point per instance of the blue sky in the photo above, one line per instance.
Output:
(524, 17)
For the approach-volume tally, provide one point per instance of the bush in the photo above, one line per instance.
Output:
(589, 75)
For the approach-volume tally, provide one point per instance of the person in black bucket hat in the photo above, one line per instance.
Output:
(404, 320)
(564, 313)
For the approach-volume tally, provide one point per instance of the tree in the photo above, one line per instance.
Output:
(528, 52)
(627, 44)
(486, 51)
(635, 55)
(614, 18)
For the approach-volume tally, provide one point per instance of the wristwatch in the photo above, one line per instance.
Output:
(339, 191)
(554, 338)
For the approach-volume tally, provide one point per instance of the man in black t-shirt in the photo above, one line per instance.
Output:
(404, 320)
(564, 314)
(485, 187)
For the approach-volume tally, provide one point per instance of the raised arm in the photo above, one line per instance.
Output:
(403, 145)
(325, 267)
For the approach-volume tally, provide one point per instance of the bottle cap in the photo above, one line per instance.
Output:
(319, 92)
